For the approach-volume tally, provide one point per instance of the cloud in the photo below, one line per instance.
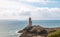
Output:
(25, 13)
(46, 14)
(8, 4)
(42, 3)
(36, 1)
(10, 9)
(33, 1)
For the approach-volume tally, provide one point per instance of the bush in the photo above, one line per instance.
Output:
(54, 34)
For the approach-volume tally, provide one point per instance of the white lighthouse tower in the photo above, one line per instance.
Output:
(30, 22)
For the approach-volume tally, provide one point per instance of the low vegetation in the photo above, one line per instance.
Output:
(54, 34)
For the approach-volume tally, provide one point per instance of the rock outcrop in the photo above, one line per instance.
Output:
(35, 31)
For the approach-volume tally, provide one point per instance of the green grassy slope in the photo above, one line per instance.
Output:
(55, 34)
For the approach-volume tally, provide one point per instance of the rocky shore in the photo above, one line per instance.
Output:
(36, 31)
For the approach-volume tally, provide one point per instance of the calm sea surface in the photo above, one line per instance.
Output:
(8, 28)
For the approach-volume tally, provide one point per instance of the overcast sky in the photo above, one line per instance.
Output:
(37, 9)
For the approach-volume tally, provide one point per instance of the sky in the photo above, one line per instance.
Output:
(23, 9)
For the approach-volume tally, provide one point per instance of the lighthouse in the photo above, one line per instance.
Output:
(30, 22)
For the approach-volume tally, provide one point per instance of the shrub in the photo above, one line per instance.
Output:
(54, 34)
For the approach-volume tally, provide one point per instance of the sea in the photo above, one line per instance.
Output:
(9, 28)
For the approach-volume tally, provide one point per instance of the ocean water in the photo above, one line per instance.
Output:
(9, 28)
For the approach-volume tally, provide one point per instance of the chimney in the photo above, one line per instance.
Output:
(30, 22)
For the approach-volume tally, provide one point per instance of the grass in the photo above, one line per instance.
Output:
(54, 34)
